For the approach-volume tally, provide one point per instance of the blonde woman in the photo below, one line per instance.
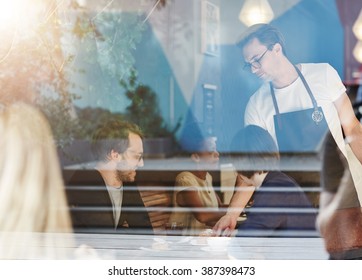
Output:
(34, 218)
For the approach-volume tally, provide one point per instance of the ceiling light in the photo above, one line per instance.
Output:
(256, 11)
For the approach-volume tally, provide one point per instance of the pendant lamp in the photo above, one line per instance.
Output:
(357, 27)
(256, 11)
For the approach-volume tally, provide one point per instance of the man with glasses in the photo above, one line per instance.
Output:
(118, 149)
(311, 88)
(297, 104)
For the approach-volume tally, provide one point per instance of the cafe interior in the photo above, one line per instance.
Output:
(163, 64)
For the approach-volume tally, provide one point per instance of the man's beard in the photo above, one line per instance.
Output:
(126, 175)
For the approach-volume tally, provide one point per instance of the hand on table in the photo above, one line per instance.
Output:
(225, 226)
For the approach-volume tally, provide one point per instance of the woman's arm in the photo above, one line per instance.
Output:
(189, 198)
(243, 192)
(352, 128)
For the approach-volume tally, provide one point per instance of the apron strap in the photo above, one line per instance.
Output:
(312, 98)
(275, 104)
(307, 88)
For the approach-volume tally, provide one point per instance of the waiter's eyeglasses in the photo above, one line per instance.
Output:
(256, 63)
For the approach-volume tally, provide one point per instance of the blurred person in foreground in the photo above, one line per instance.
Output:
(117, 205)
(276, 198)
(34, 217)
(196, 204)
(340, 214)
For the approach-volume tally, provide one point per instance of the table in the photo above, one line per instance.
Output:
(157, 247)
(111, 246)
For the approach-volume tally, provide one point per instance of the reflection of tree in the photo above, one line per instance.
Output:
(38, 61)
(33, 62)
(110, 34)
(33, 55)
(91, 118)
(144, 109)
(108, 38)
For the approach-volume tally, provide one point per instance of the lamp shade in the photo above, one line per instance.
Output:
(357, 27)
(256, 11)
(357, 51)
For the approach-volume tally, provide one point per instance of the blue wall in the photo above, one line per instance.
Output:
(155, 71)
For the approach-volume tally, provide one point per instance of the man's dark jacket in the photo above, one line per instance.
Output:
(91, 207)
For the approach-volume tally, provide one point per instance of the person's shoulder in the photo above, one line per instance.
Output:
(279, 179)
(315, 67)
(259, 94)
(324, 74)
(184, 174)
(318, 69)
(185, 178)
(82, 177)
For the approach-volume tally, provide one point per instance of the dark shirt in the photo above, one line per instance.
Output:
(278, 205)
(91, 207)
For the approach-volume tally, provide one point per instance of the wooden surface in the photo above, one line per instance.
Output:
(158, 198)
(147, 247)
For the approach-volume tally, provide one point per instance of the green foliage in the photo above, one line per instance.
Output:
(69, 123)
(61, 119)
(104, 41)
(90, 118)
(144, 109)
(108, 40)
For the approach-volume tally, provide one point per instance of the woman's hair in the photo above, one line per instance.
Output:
(258, 150)
(32, 195)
